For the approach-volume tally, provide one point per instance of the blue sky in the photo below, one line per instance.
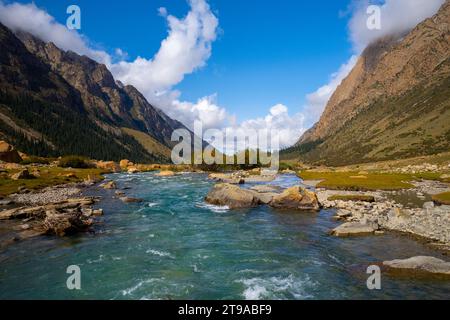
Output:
(243, 65)
(266, 52)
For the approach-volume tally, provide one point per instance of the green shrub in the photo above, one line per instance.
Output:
(74, 162)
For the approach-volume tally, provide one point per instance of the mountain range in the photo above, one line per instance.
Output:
(55, 102)
(395, 103)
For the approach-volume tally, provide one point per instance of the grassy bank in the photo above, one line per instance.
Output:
(443, 198)
(46, 177)
(366, 181)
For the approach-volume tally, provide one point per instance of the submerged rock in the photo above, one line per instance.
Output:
(296, 198)
(353, 229)
(167, 173)
(420, 264)
(110, 185)
(130, 200)
(225, 194)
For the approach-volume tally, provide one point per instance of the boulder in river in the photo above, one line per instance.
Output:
(110, 185)
(419, 265)
(224, 194)
(166, 173)
(130, 200)
(296, 198)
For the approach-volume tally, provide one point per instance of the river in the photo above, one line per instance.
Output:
(174, 246)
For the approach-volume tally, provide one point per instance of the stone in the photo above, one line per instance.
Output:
(6, 202)
(266, 197)
(124, 163)
(108, 165)
(225, 194)
(353, 229)
(97, 212)
(167, 173)
(62, 224)
(428, 205)
(265, 188)
(22, 174)
(421, 265)
(296, 198)
(8, 153)
(133, 170)
(71, 175)
(110, 185)
(130, 200)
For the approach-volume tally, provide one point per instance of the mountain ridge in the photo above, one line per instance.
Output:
(398, 77)
(40, 74)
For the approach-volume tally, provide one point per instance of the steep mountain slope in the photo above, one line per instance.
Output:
(395, 103)
(55, 102)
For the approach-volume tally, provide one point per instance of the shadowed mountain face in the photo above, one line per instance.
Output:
(395, 103)
(54, 102)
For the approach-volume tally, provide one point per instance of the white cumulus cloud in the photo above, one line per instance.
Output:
(31, 19)
(186, 48)
(397, 17)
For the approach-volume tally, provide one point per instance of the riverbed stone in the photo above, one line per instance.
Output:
(166, 173)
(225, 194)
(353, 229)
(130, 200)
(110, 185)
(420, 264)
(296, 198)
(266, 189)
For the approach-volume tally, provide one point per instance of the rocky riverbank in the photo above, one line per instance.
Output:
(431, 221)
(362, 212)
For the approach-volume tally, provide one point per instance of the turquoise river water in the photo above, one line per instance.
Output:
(175, 246)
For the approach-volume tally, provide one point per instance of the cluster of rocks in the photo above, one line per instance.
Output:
(59, 218)
(425, 167)
(47, 195)
(431, 222)
(242, 177)
(234, 197)
(111, 185)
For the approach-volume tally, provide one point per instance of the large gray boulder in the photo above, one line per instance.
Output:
(421, 265)
(354, 229)
(225, 194)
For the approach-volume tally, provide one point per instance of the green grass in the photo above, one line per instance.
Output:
(442, 198)
(347, 180)
(48, 177)
(353, 197)
(354, 181)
